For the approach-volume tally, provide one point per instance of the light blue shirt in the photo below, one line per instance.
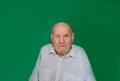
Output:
(74, 66)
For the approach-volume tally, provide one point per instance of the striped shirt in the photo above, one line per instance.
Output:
(74, 66)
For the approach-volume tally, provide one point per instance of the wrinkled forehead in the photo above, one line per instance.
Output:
(61, 27)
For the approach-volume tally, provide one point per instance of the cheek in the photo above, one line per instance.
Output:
(68, 42)
(55, 42)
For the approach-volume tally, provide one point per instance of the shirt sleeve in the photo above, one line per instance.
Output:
(87, 69)
(35, 74)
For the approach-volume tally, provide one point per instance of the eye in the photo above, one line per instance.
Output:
(67, 35)
(57, 36)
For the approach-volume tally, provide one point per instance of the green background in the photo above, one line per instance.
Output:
(25, 26)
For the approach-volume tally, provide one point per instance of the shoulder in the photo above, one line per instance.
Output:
(46, 46)
(77, 48)
(45, 49)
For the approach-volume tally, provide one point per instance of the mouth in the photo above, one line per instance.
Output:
(62, 46)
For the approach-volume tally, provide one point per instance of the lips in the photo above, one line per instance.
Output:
(62, 45)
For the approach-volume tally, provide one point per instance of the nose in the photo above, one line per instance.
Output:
(62, 40)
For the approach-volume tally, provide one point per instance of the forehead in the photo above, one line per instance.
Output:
(61, 28)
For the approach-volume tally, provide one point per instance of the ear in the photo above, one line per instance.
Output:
(72, 37)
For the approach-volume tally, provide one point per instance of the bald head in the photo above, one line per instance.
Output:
(62, 37)
(62, 25)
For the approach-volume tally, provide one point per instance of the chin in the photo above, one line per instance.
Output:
(62, 50)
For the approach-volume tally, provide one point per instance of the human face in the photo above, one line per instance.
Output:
(62, 38)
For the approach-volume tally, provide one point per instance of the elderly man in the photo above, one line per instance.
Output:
(61, 60)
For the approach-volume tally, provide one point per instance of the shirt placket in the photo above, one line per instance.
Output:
(57, 76)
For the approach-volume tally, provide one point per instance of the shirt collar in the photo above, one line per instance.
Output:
(52, 51)
(71, 53)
